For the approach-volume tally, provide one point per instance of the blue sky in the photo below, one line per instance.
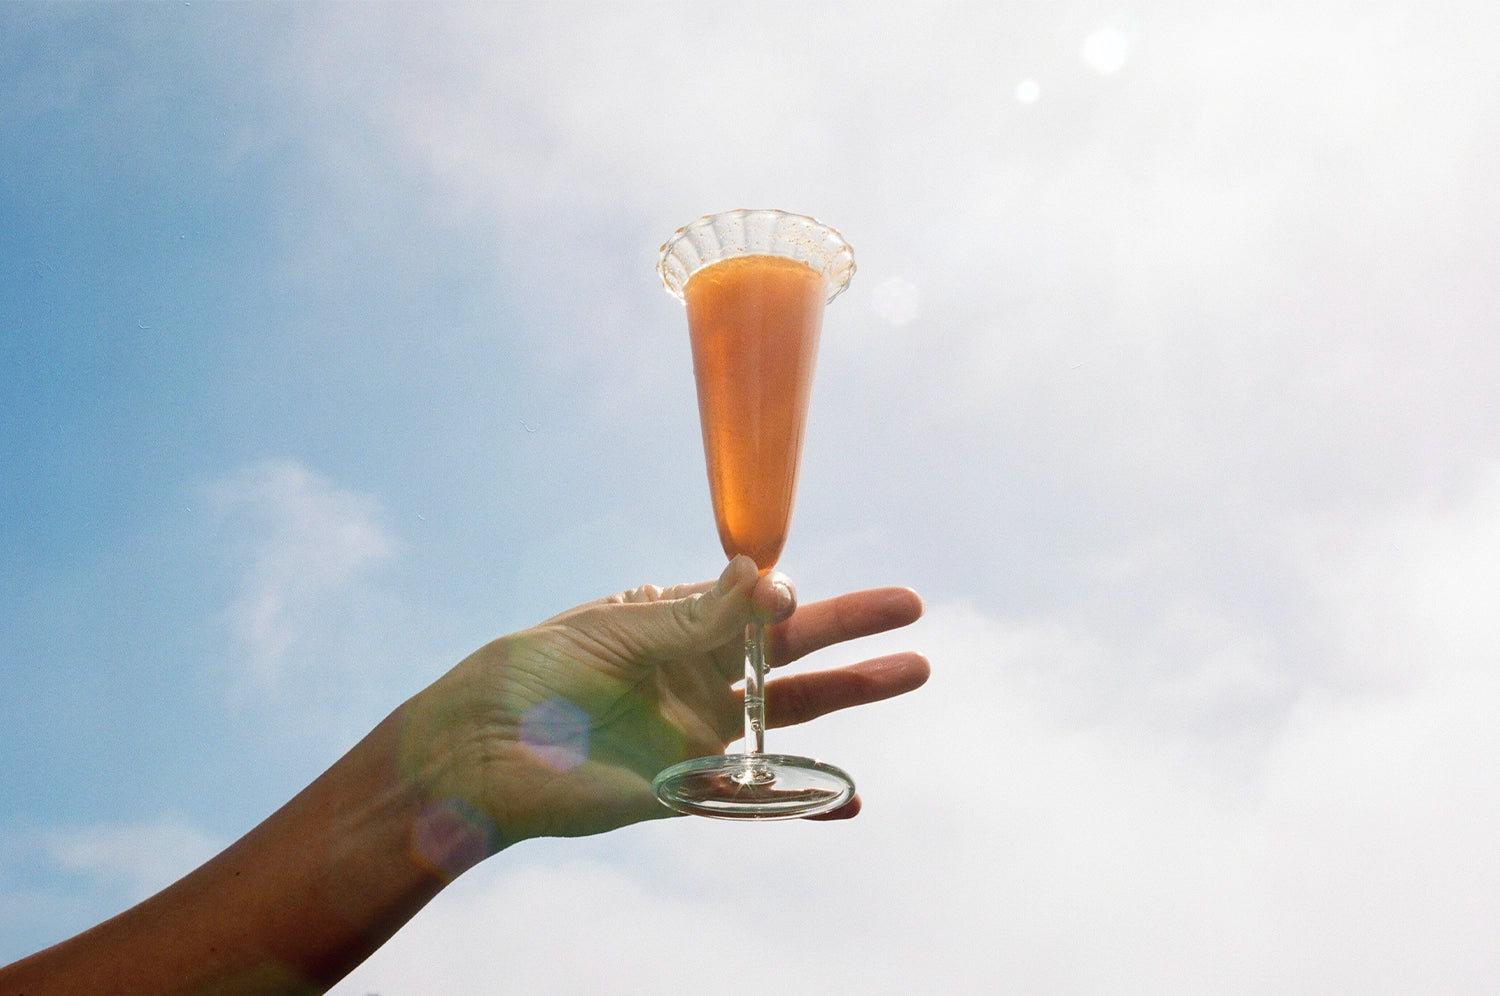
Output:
(330, 349)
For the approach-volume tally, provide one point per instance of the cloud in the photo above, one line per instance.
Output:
(1052, 814)
(1256, 229)
(57, 881)
(133, 860)
(298, 542)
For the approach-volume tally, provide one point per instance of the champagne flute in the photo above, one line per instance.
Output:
(754, 283)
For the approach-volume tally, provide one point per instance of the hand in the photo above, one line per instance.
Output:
(559, 729)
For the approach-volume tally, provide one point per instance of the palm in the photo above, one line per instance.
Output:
(599, 713)
(559, 730)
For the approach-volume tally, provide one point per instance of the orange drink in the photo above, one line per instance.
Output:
(754, 322)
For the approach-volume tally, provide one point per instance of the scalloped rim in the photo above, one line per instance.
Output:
(755, 231)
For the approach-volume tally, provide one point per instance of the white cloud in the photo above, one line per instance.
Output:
(1410, 592)
(1252, 234)
(1022, 835)
(896, 300)
(132, 860)
(298, 542)
(60, 880)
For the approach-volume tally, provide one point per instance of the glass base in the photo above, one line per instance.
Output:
(753, 787)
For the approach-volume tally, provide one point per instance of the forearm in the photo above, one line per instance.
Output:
(293, 905)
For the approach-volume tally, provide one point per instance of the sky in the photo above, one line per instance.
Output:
(331, 349)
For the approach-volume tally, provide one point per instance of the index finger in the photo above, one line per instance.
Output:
(847, 617)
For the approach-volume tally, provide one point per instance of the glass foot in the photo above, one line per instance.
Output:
(753, 787)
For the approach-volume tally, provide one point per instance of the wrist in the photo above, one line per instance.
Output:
(439, 758)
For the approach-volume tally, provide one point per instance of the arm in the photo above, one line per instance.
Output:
(554, 731)
(291, 907)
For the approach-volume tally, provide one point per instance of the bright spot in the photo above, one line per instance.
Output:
(449, 838)
(1027, 91)
(556, 733)
(896, 300)
(1105, 49)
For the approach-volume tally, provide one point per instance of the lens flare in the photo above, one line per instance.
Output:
(556, 732)
(449, 838)
(1106, 49)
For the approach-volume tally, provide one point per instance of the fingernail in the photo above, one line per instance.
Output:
(785, 598)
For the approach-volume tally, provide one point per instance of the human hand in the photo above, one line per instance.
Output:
(558, 730)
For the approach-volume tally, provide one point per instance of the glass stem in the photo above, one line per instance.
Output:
(755, 688)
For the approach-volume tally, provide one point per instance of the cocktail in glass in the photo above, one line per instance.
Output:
(754, 283)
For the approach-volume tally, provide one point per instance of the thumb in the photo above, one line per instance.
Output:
(702, 621)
